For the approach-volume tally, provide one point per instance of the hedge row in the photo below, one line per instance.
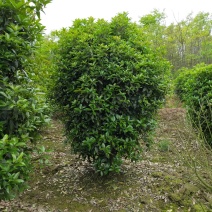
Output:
(194, 87)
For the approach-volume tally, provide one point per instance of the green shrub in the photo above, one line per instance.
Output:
(19, 29)
(196, 92)
(23, 110)
(22, 113)
(14, 166)
(109, 86)
(180, 82)
(22, 107)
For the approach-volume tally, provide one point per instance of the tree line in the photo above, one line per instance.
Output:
(184, 43)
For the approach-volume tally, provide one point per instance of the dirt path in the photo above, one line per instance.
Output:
(160, 182)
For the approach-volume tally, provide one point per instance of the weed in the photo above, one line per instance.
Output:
(164, 145)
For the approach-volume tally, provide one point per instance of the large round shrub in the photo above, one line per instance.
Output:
(109, 86)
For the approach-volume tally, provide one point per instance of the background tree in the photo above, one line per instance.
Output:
(153, 25)
(188, 42)
(41, 65)
(185, 43)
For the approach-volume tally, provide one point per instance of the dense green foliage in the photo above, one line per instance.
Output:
(19, 29)
(109, 86)
(22, 110)
(14, 166)
(22, 106)
(194, 86)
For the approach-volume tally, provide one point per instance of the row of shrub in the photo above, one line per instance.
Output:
(194, 87)
(22, 106)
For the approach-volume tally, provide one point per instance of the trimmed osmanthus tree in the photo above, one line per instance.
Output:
(109, 86)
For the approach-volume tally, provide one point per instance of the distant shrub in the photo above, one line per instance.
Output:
(41, 64)
(109, 87)
(195, 88)
(180, 82)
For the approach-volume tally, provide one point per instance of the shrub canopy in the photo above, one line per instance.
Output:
(109, 86)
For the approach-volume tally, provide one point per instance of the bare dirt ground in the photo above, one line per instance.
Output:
(163, 181)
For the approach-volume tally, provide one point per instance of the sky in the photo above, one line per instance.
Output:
(61, 13)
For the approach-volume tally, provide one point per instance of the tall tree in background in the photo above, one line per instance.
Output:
(185, 43)
(41, 63)
(200, 41)
(189, 42)
(153, 25)
(195, 33)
